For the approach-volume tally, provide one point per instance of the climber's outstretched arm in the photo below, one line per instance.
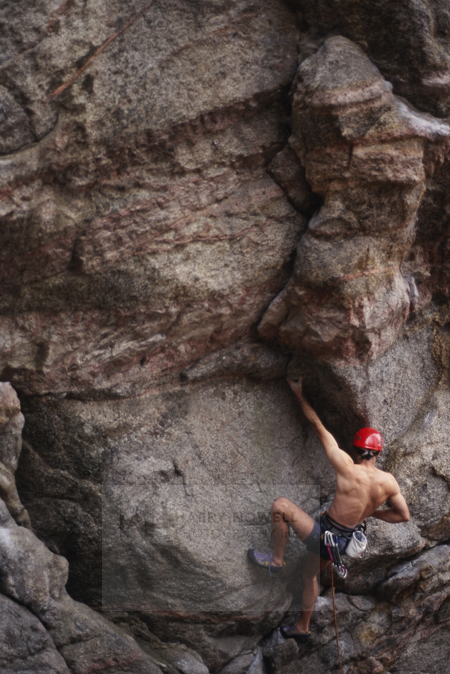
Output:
(339, 459)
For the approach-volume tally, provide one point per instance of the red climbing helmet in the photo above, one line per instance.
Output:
(368, 438)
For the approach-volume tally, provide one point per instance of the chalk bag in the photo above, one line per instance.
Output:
(357, 545)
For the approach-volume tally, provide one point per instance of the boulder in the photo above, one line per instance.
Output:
(36, 653)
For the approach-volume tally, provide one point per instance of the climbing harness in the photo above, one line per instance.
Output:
(356, 539)
(335, 620)
(331, 542)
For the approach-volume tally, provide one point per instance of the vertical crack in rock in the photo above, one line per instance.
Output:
(363, 150)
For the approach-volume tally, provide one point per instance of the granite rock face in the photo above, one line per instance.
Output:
(367, 153)
(408, 615)
(61, 635)
(197, 199)
(407, 41)
(37, 654)
(168, 163)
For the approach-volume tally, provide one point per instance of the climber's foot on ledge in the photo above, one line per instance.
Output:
(264, 560)
(291, 633)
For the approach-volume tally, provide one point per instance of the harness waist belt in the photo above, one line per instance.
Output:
(339, 529)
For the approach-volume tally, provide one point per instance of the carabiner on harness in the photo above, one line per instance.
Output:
(333, 550)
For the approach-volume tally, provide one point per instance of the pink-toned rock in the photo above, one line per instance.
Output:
(363, 150)
(287, 170)
(407, 41)
(142, 232)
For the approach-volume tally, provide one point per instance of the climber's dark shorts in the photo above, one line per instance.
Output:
(315, 543)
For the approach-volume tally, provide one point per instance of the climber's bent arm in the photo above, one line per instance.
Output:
(397, 512)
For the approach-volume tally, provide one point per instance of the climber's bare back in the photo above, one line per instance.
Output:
(360, 491)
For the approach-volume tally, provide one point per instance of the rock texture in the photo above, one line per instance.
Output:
(408, 616)
(407, 41)
(35, 653)
(197, 198)
(11, 424)
(168, 163)
(367, 153)
(172, 479)
(61, 635)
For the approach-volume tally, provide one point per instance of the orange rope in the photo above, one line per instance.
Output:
(335, 620)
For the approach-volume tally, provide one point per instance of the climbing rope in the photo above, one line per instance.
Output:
(335, 620)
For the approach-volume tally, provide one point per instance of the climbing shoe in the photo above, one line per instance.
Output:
(290, 633)
(264, 560)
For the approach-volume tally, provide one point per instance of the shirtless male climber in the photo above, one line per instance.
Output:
(361, 488)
